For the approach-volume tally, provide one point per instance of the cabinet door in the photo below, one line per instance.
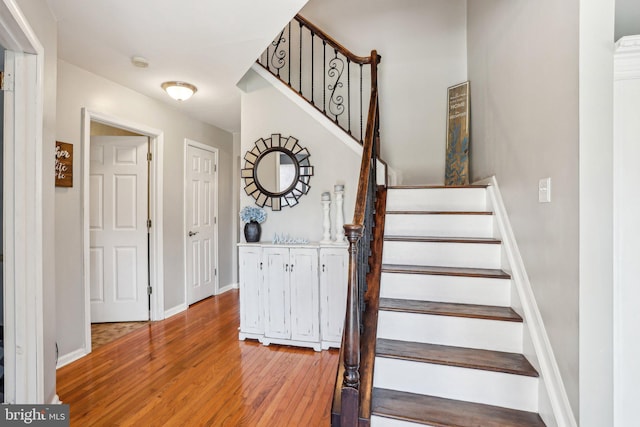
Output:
(250, 291)
(305, 300)
(277, 301)
(333, 289)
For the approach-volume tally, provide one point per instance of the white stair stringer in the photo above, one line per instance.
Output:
(442, 254)
(441, 225)
(453, 382)
(483, 334)
(442, 288)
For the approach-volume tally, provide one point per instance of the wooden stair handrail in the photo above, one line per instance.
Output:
(331, 41)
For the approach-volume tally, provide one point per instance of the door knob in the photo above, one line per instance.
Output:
(191, 233)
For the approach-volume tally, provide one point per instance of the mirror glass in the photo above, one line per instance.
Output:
(277, 172)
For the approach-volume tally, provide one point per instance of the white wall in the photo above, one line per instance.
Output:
(523, 68)
(424, 50)
(626, 202)
(43, 24)
(596, 212)
(78, 88)
(265, 111)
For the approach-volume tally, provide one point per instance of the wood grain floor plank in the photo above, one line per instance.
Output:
(192, 370)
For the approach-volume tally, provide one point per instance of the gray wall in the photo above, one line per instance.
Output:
(78, 88)
(43, 24)
(424, 50)
(523, 68)
(627, 18)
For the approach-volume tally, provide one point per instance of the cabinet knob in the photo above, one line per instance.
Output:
(286, 267)
(323, 268)
(291, 270)
(260, 266)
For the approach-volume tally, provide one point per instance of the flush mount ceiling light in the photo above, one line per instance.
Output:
(180, 91)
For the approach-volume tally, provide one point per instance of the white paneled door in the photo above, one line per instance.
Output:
(118, 228)
(200, 199)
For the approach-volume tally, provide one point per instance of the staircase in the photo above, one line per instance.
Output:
(449, 347)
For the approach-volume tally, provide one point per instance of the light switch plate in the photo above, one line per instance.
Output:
(544, 190)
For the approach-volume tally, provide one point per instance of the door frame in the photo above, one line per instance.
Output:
(156, 269)
(23, 204)
(189, 142)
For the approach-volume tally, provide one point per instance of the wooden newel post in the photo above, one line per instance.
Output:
(351, 380)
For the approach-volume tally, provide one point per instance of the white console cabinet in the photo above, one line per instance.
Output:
(293, 294)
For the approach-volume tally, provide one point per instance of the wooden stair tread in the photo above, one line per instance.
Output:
(446, 271)
(438, 239)
(410, 187)
(488, 360)
(439, 213)
(441, 412)
(488, 312)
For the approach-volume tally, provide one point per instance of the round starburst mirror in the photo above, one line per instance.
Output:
(277, 172)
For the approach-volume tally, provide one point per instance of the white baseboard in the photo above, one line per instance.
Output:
(56, 400)
(549, 371)
(175, 310)
(227, 288)
(71, 357)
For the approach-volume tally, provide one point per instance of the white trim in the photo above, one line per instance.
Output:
(156, 249)
(70, 357)
(175, 310)
(189, 142)
(549, 371)
(627, 58)
(23, 210)
(56, 400)
(228, 288)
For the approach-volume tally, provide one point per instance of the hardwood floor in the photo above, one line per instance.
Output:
(104, 333)
(191, 370)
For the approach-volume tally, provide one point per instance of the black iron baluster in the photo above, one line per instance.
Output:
(324, 76)
(289, 47)
(300, 72)
(312, 67)
(349, 95)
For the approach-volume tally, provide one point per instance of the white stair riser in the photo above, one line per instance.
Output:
(448, 330)
(456, 289)
(439, 225)
(441, 254)
(377, 421)
(437, 199)
(452, 382)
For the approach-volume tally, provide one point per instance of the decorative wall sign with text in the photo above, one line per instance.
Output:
(64, 164)
(457, 162)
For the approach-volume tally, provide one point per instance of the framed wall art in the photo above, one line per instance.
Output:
(457, 153)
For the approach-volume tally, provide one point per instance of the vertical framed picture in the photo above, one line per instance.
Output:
(64, 164)
(457, 153)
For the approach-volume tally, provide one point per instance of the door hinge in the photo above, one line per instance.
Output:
(215, 271)
(148, 223)
(6, 81)
(215, 168)
(215, 220)
(149, 157)
(149, 290)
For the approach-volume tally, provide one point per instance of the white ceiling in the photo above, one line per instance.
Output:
(209, 43)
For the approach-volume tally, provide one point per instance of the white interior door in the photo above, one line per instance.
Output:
(201, 246)
(118, 228)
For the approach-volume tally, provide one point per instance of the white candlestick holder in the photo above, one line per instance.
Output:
(326, 223)
(339, 192)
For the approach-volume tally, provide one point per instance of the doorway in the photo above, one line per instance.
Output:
(118, 228)
(201, 221)
(154, 303)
